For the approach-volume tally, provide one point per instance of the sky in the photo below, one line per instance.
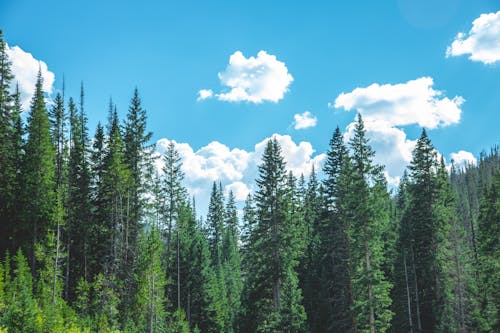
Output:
(219, 78)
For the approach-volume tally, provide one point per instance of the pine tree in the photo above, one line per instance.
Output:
(38, 172)
(22, 313)
(272, 293)
(215, 222)
(9, 154)
(231, 264)
(137, 155)
(149, 314)
(336, 300)
(488, 253)
(367, 218)
(79, 203)
(423, 234)
(57, 117)
(175, 196)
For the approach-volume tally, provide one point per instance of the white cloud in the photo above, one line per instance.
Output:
(25, 69)
(387, 107)
(254, 79)
(463, 158)
(235, 168)
(304, 120)
(413, 102)
(204, 94)
(482, 42)
(240, 190)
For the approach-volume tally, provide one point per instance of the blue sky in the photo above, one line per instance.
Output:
(388, 58)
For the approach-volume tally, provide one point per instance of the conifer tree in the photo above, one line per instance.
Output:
(272, 294)
(367, 219)
(79, 203)
(335, 301)
(423, 231)
(38, 172)
(231, 264)
(175, 196)
(488, 253)
(10, 155)
(22, 313)
(215, 222)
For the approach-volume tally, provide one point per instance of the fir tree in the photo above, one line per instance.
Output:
(489, 252)
(336, 299)
(79, 201)
(367, 219)
(38, 172)
(274, 244)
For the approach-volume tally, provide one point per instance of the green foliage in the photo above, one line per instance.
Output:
(38, 173)
(489, 254)
(114, 247)
(366, 213)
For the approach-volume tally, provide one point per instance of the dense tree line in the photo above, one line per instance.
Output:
(94, 239)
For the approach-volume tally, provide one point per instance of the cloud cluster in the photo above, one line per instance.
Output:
(304, 120)
(25, 70)
(482, 42)
(254, 79)
(413, 102)
(386, 107)
(235, 168)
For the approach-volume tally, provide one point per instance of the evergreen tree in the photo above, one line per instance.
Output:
(488, 253)
(10, 150)
(215, 222)
(137, 155)
(149, 314)
(57, 117)
(175, 196)
(38, 172)
(335, 312)
(423, 233)
(231, 264)
(79, 203)
(367, 218)
(22, 313)
(272, 293)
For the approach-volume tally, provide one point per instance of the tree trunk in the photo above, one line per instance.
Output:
(408, 298)
(419, 323)
(370, 291)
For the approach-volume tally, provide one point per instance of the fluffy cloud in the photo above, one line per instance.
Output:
(463, 158)
(413, 102)
(204, 94)
(25, 69)
(255, 79)
(304, 120)
(235, 168)
(386, 107)
(482, 42)
(239, 189)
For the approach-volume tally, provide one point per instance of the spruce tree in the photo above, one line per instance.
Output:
(335, 312)
(38, 172)
(367, 218)
(423, 231)
(488, 253)
(9, 154)
(215, 223)
(272, 294)
(231, 264)
(79, 201)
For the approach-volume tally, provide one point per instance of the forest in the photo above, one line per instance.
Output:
(93, 238)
